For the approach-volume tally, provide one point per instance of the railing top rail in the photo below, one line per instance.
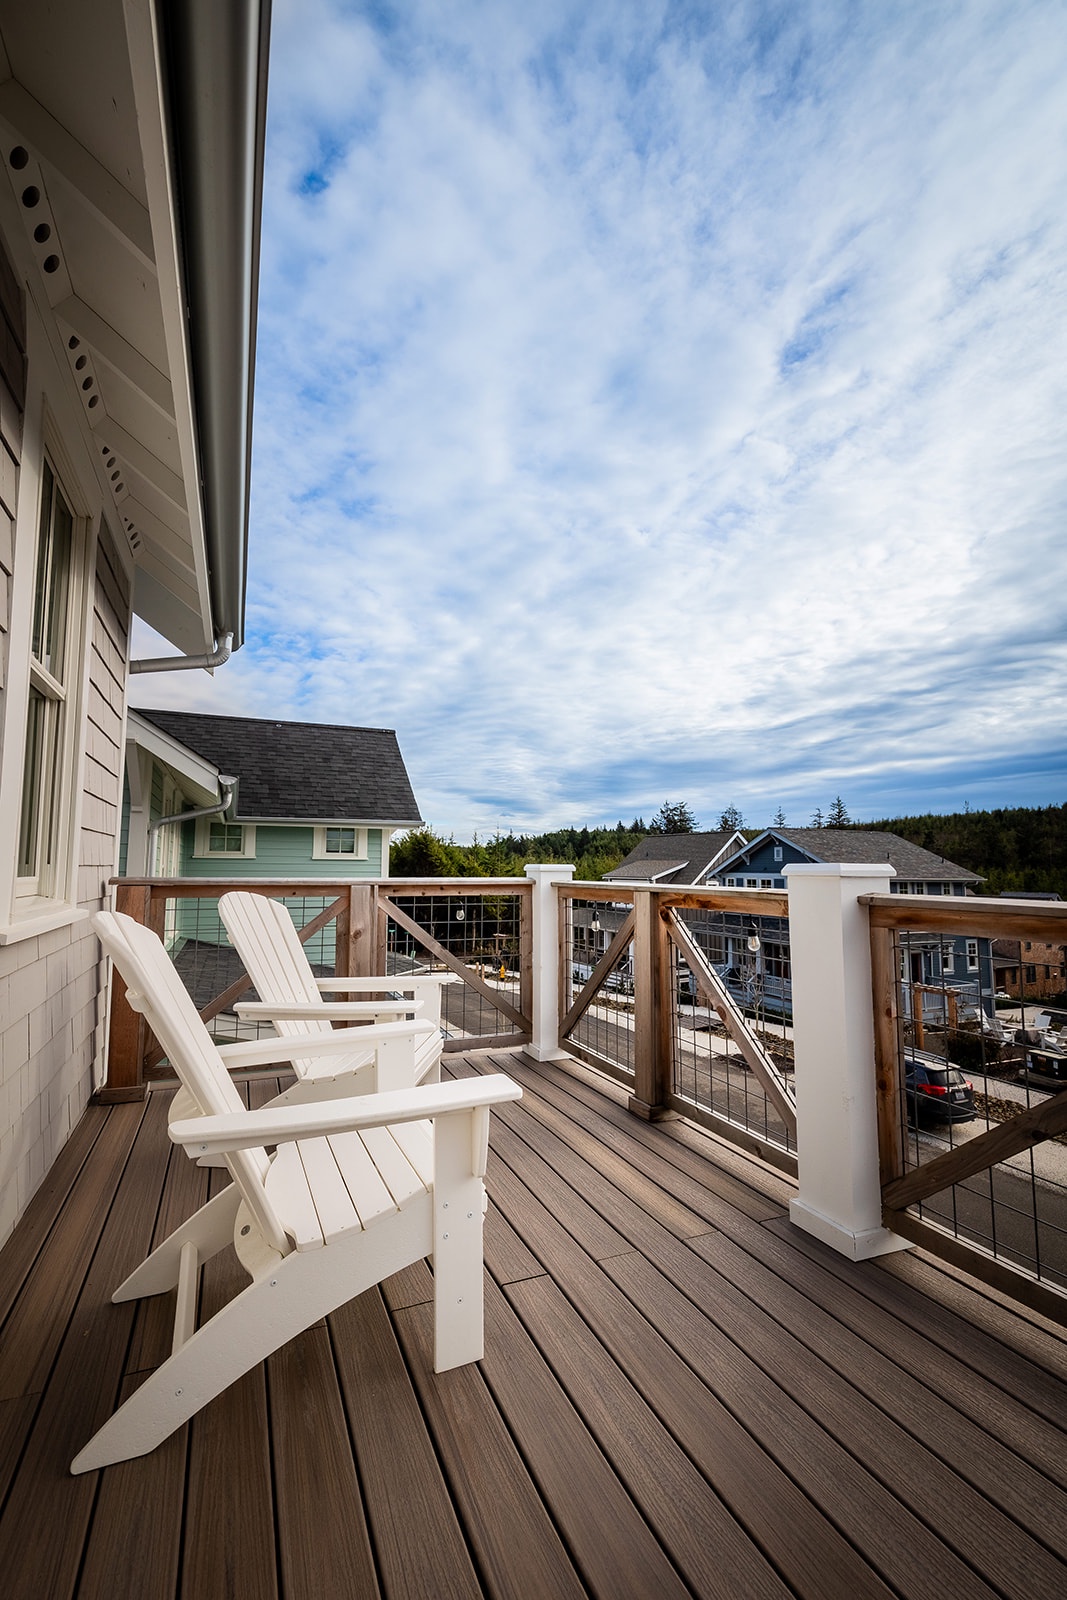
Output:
(176, 887)
(755, 902)
(974, 914)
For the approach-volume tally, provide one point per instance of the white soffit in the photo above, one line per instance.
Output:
(80, 94)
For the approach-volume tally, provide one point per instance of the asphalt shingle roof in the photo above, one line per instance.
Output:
(300, 771)
(867, 845)
(683, 855)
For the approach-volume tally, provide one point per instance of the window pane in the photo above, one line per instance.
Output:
(340, 841)
(56, 636)
(40, 596)
(29, 823)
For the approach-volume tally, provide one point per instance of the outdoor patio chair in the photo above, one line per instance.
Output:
(357, 1189)
(291, 997)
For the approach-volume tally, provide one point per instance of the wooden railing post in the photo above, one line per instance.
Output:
(126, 1028)
(545, 957)
(886, 1054)
(652, 1008)
(840, 1191)
(362, 931)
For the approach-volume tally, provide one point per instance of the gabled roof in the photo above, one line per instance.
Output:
(672, 857)
(910, 861)
(301, 771)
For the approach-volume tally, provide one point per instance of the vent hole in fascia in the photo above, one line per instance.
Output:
(87, 383)
(73, 342)
(51, 263)
(94, 400)
(31, 196)
(19, 157)
(81, 363)
(42, 233)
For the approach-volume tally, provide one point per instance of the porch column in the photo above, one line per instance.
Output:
(544, 1040)
(840, 1198)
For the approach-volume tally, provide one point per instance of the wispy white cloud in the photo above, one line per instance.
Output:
(662, 400)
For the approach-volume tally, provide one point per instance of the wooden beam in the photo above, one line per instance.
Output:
(887, 1054)
(652, 1011)
(1030, 1127)
(453, 964)
(715, 991)
(980, 918)
(599, 973)
(1008, 1280)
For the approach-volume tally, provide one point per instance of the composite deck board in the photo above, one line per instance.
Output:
(704, 1414)
(801, 1263)
(680, 1394)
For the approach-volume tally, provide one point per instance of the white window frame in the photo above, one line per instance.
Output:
(778, 852)
(972, 955)
(948, 960)
(51, 882)
(202, 850)
(359, 852)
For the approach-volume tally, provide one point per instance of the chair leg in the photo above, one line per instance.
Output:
(459, 1209)
(298, 1291)
(210, 1229)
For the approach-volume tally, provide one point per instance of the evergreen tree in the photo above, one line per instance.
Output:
(778, 820)
(837, 816)
(673, 816)
(816, 820)
(729, 819)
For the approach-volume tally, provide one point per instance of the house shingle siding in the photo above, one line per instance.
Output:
(301, 771)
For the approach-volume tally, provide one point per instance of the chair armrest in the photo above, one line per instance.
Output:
(310, 1046)
(244, 1130)
(395, 980)
(321, 1011)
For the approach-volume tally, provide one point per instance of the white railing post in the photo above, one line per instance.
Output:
(839, 1199)
(544, 1041)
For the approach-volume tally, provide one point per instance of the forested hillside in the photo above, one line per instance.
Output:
(1018, 848)
(1021, 847)
(594, 851)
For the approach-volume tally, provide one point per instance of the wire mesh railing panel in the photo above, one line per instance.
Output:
(750, 957)
(606, 1028)
(973, 1058)
(482, 932)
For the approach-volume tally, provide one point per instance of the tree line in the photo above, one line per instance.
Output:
(1015, 848)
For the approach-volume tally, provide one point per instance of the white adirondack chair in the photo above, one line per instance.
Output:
(291, 997)
(357, 1189)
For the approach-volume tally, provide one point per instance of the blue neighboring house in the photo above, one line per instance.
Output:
(941, 962)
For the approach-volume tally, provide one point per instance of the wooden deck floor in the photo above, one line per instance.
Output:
(682, 1395)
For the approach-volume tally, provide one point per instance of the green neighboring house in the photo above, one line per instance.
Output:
(249, 797)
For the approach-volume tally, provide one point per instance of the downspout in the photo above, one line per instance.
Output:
(215, 658)
(227, 785)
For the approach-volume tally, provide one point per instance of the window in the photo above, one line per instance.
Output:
(948, 959)
(219, 840)
(40, 839)
(1031, 974)
(972, 955)
(778, 852)
(340, 844)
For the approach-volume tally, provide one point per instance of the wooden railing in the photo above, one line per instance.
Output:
(367, 916)
(906, 1186)
(658, 936)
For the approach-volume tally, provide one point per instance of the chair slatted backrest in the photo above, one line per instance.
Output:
(265, 937)
(155, 989)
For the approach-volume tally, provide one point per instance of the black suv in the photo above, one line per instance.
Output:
(937, 1091)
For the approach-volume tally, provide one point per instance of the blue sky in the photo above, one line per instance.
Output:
(665, 401)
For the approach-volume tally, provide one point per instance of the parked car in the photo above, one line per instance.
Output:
(936, 1090)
